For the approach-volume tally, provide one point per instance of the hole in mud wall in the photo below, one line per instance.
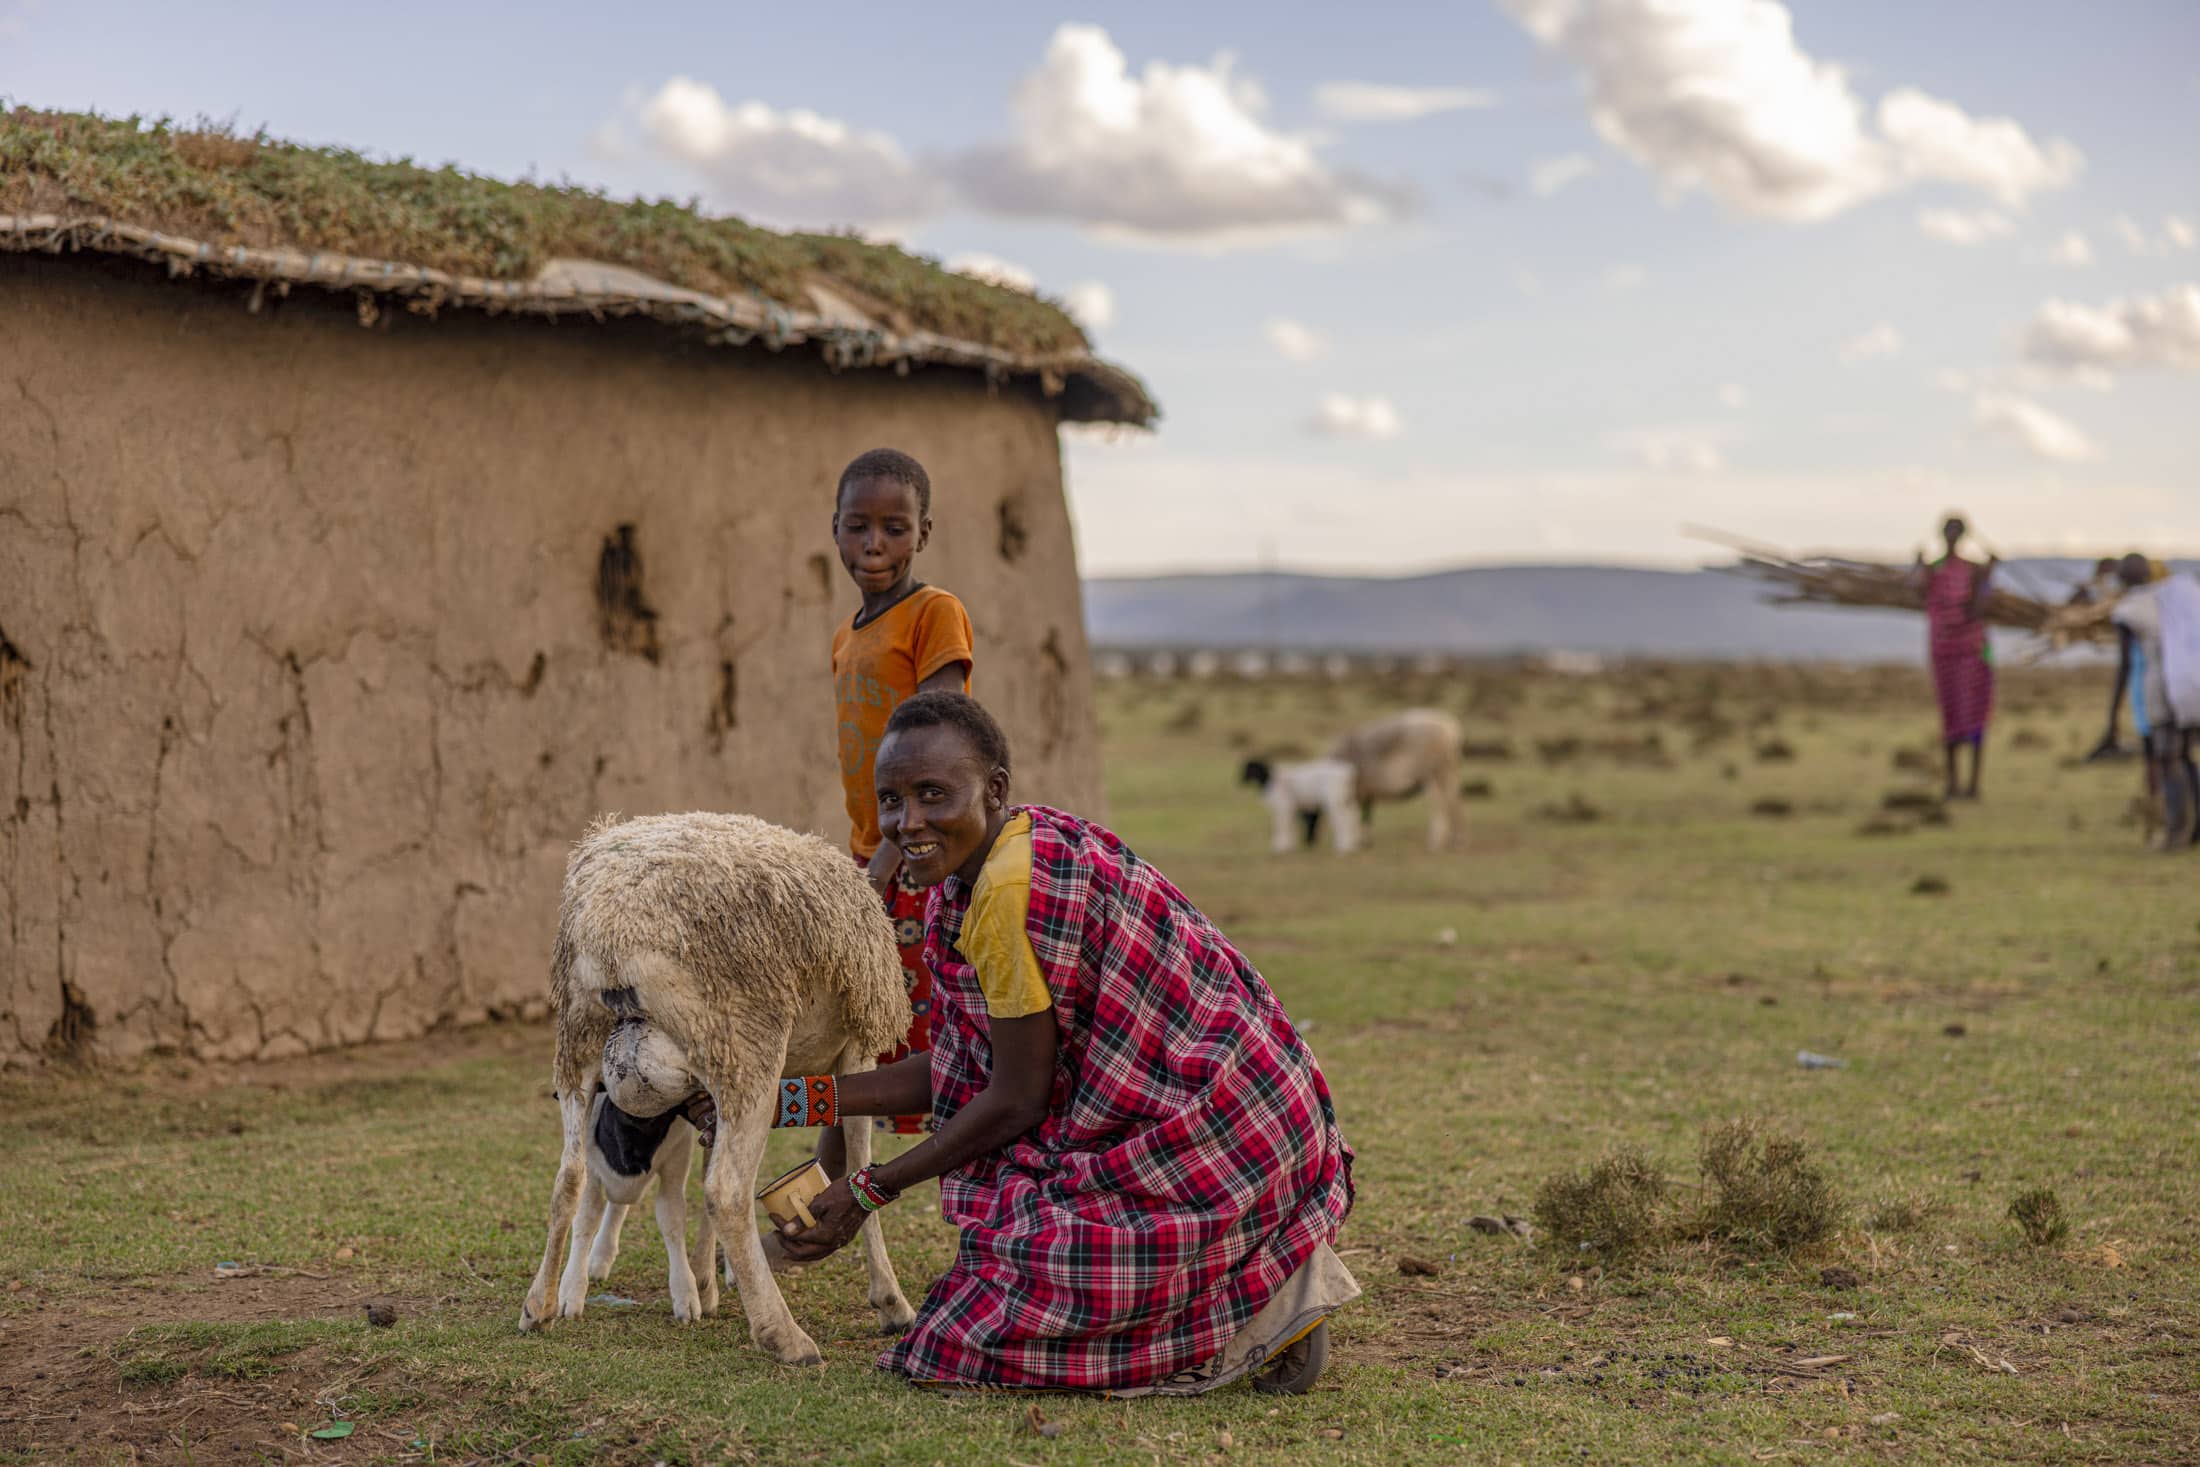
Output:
(70, 1038)
(822, 568)
(1014, 534)
(13, 664)
(535, 670)
(723, 718)
(627, 620)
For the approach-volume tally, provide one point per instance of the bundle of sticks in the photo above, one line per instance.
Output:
(1826, 580)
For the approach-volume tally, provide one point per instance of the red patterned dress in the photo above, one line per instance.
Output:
(1963, 670)
(1189, 1164)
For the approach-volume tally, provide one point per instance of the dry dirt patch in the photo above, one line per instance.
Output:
(73, 1394)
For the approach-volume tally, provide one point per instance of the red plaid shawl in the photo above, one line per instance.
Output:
(1190, 1159)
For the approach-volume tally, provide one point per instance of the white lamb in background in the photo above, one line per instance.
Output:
(751, 952)
(1300, 795)
(1404, 754)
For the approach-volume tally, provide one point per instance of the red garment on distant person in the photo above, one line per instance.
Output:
(1963, 670)
(1189, 1162)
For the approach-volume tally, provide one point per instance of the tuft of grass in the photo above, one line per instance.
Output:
(206, 181)
(1901, 1212)
(1763, 1190)
(1611, 1209)
(2038, 1214)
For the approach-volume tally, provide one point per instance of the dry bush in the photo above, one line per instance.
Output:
(1574, 810)
(1912, 761)
(1880, 825)
(1772, 806)
(1476, 789)
(1775, 751)
(1901, 1212)
(1763, 1190)
(2039, 1216)
(1611, 1209)
(1909, 799)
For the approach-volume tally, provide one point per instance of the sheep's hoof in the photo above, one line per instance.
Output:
(895, 1316)
(793, 1347)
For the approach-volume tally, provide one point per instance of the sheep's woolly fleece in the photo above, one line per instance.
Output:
(729, 929)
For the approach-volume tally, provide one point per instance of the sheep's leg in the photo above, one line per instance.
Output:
(573, 1285)
(1281, 813)
(1344, 826)
(606, 1251)
(894, 1313)
(565, 1197)
(703, 1256)
(672, 1176)
(729, 1192)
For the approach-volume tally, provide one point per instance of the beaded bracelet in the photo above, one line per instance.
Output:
(808, 1100)
(869, 1195)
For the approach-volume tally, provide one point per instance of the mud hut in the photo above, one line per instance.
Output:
(365, 530)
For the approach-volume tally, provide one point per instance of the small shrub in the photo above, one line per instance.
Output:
(1772, 807)
(2039, 1216)
(1612, 1208)
(1901, 1212)
(1763, 1190)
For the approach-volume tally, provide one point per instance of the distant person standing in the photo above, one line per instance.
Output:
(2160, 616)
(1963, 669)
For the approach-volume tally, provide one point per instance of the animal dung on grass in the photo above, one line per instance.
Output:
(1838, 1277)
(1486, 750)
(1775, 751)
(1929, 886)
(1912, 761)
(1476, 789)
(1909, 799)
(1772, 807)
(1418, 1268)
(1880, 825)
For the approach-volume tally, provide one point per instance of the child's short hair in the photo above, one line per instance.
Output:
(890, 464)
(958, 711)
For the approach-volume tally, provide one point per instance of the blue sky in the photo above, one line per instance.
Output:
(1812, 272)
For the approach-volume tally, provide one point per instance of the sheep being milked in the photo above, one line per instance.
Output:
(707, 954)
(1394, 757)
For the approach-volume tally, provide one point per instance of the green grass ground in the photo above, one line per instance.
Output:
(1487, 1018)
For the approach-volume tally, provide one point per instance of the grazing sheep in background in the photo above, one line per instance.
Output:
(751, 952)
(1400, 755)
(1302, 793)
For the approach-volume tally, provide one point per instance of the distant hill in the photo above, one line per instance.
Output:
(1512, 608)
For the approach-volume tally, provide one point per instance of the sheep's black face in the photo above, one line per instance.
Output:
(939, 803)
(1256, 773)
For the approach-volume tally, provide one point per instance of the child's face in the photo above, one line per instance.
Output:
(939, 803)
(879, 530)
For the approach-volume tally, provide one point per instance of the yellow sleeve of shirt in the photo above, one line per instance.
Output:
(993, 936)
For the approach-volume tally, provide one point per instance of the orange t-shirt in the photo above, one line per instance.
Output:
(876, 666)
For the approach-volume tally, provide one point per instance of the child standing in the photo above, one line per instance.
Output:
(906, 638)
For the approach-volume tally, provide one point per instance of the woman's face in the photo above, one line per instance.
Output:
(939, 802)
(1952, 532)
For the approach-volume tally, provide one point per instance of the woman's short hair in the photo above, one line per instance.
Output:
(958, 711)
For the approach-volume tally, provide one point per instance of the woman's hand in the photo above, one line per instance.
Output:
(838, 1215)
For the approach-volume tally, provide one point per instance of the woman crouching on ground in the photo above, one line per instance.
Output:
(1137, 1146)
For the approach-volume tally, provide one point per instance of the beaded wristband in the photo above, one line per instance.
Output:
(808, 1100)
(869, 1195)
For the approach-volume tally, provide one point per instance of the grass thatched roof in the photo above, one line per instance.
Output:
(254, 206)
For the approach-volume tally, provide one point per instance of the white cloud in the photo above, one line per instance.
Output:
(1294, 341)
(1175, 154)
(1625, 277)
(2128, 230)
(1881, 341)
(1340, 416)
(1347, 101)
(1733, 395)
(1091, 304)
(790, 167)
(2046, 434)
(2180, 232)
(2072, 249)
(2159, 332)
(1716, 95)
(1549, 175)
(1954, 226)
(993, 270)
(1675, 450)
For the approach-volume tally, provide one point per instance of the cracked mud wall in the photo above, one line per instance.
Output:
(307, 686)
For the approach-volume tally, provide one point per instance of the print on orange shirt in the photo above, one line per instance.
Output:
(875, 667)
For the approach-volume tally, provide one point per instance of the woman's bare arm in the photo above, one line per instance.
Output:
(1011, 1104)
